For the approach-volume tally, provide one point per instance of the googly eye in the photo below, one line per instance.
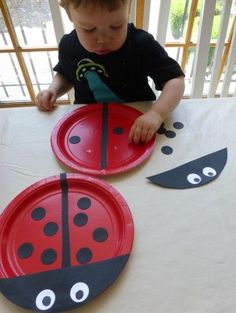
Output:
(79, 292)
(194, 179)
(45, 299)
(209, 171)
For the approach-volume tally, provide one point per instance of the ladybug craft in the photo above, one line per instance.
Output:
(64, 240)
(93, 139)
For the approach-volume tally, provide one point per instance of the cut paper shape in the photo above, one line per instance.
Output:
(63, 241)
(178, 125)
(193, 174)
(166, 150)
(93, 140)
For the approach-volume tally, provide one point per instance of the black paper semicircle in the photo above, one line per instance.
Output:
(194, 173)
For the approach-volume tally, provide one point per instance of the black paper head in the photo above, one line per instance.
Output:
(193, 174)
(64, 289)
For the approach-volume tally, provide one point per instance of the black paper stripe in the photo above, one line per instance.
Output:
(65, 222)
(104, 135)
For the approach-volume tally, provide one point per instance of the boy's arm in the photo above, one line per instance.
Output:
(46, 99)
(147, 124)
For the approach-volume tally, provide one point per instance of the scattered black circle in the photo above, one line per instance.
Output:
(48, 256)
(197, 180)
(46, 301)
(162, 129)
(166, 150)
(170, 134)
(25, 250)
(178, 125)
(84, 203)
(50, 229)
(74, 139)
(84, 255)
(80, 219)
(118, 130)
(38, 214)
(100, 234)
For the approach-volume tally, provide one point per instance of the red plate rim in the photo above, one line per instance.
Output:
(65, 159)
(107, 189)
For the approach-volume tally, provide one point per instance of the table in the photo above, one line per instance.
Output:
(184, 253)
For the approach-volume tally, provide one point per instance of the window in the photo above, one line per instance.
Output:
(28, 50)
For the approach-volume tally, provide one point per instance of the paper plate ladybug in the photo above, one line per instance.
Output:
(63, 240)
(93, 139)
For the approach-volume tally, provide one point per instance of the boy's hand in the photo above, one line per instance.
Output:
(145, 127)
(46, 100)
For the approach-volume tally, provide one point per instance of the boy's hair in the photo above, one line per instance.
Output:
(108, 4)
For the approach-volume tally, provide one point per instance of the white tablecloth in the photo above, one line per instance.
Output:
(184, 253)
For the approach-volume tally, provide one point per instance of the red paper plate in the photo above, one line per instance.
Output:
(63, 241)
(94, 140)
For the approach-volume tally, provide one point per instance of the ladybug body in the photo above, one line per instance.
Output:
(93, 139)
(64, 240)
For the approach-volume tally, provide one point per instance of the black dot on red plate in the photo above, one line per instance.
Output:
(170, 134)
(166, 150)
(84, 203)
(84, 255)
(74, 139)
(38, 214)
(80, 219)
(25, 250)
(49, 256)
(178, 125)
(50, 229)
(100, 234)
(118, 130)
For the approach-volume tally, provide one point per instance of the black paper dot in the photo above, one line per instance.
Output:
(100, 234)
(170, 134)
(48, 256)
(84, 203)
(38, 214)
(80, 219)
(197, 180)
(84, 255)
(166, 150)
(25, 250)
(162, 129)
(118, 130)
(50, 229)
(74, 139)
(178, 125)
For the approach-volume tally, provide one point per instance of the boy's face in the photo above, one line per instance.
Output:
(100, 31)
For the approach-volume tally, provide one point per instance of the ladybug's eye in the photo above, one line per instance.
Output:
(194, 179)
(209, 171)
(79, 292)
(45, 299)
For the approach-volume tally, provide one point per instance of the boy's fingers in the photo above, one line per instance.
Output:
(45, 102)
(150, 134)
(137, 135)
(131, 134)
(144, 134)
